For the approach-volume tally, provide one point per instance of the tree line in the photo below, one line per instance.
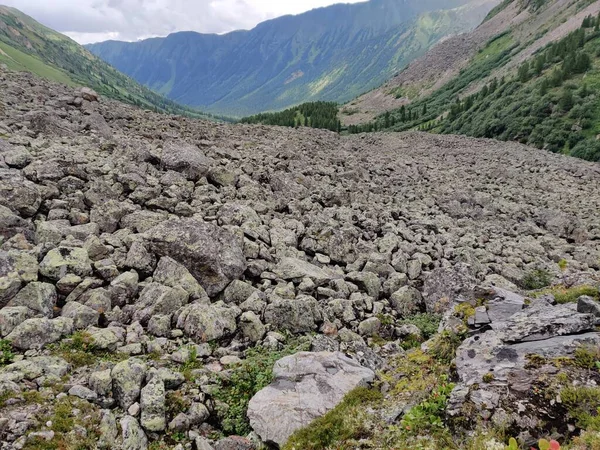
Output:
(313, 114)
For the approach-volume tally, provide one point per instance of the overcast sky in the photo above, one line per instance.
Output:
(89, 21)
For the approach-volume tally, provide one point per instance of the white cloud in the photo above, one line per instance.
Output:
(97, 20)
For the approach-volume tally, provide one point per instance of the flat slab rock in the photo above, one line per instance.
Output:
(306, 386)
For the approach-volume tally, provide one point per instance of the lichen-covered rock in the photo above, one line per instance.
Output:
(127, 378)
(38, 332)
(299, 315)
(32, 368)
(317, 381)
(170, 273)
(211, 254)
(152, 403)
(18, 194)
(156, 300)
(205, 323)
(38, 298)
(133, 435)
(293, 268)
(16, 268)
(66, 260)
(185, 158)
(406, 301)
(83, 316)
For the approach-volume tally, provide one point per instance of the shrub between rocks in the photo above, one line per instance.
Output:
(253, 374)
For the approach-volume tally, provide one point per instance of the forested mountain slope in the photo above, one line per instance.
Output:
(542, 92)
(332, 53)
(532, 24)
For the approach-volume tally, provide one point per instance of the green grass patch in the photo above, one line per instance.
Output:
(564, 294)
(340, 425)
(245, 380)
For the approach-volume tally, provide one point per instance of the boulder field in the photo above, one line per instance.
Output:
(173, 283)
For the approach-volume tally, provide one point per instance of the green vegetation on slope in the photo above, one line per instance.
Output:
(314, 115)
(26, 45)
(550, 102)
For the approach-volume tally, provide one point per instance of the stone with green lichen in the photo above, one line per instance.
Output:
(38, 332)
(12, 316)
(104, 338)
(127, 378)
(39, 298)
(36, 367)
(83, 316)
(170, 273)
(16, 268)
(134, 437)
(152, 402)
(108, 431)
(63, 260)
(406, 301)
(205, 323)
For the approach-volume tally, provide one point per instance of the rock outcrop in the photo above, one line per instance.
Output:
(305, 386)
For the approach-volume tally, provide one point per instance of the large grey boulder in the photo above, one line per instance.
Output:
(170, 273)
(305, 386)
(127, 378)
(152, 403)
(83, 316)
(211, 254)
(36, 333)
(134, 437)
(299, 315)
(66, 260)
(444, 287)
(186, 159)
(16, 268)
(542, 321)
(293, 268)
(18, 194)
(204, 323)
(38, 298)
(11, 224)
(156, 299)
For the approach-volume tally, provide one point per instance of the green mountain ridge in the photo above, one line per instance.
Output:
(330, 54)
(26, 45)
(542, 94)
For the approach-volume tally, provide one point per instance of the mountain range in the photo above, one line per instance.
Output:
(26, 45)
(333, 53)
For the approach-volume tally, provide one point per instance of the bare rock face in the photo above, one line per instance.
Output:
(210, 253)
(306, 386)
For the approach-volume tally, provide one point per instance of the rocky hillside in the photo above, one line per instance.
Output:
(333, 54)
(27, 45)
(524, 28)
(168, 283)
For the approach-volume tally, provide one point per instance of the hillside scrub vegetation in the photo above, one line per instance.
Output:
(550, 102)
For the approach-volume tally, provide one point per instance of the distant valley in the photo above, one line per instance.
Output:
(333, 54)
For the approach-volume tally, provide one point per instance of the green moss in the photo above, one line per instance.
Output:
(6, 353)
(340, 425)
(488, 378)
(79, 350)
(175, 403)
(192, 363)
(443, 346)
(583, 404)
(587, 357)
(428, 416)
(571, 295)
